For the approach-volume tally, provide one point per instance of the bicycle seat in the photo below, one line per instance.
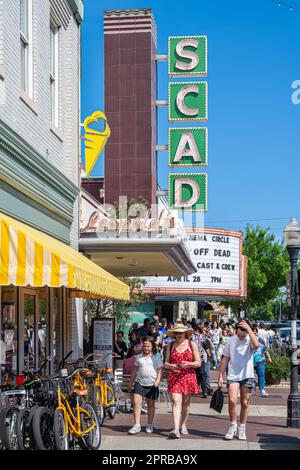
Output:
(106, 369)
(88, 373)
(80, 393)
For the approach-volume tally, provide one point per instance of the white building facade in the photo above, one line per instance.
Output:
(40, 61)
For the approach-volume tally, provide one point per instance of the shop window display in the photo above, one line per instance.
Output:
(9, 337)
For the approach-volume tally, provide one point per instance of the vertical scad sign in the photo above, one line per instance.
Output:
(188, 103)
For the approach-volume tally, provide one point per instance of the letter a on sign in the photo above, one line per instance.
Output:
(188, 56)
(188, 191)
(188, 146)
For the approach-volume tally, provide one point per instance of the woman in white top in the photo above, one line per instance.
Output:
(238, 356)
(146, 377)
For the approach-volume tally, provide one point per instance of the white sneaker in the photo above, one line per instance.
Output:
(184, 431)
(149, 428)
(174, 434)
(263, 393)
(231, 433)
(242, 433)
(135, 429)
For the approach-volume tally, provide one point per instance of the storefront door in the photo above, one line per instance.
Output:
(34, 310)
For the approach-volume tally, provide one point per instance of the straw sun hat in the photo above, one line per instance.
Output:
(180, 328)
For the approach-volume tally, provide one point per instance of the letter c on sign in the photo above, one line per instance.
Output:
(180, 100)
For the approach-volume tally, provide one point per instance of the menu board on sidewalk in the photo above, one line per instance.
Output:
(103, 338)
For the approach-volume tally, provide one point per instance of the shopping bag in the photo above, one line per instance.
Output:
(217, 400)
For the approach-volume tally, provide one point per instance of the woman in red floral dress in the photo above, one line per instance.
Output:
(182, 358)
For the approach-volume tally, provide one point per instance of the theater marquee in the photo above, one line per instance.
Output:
(221, 267)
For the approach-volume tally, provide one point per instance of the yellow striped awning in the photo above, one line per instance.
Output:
(29, 257)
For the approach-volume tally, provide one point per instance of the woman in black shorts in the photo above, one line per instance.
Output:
(146, 376)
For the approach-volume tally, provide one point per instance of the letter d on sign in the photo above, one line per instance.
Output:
(179, 199)
(188, 191)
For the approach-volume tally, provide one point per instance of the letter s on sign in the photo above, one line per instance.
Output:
(296, 95)
(186, 54)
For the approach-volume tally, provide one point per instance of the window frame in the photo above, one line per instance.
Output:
(54, 74)
(26, 43)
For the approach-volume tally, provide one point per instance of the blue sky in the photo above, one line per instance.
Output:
(254, 129)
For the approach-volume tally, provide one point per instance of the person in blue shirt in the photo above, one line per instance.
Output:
(163, 328)
(145, 329)
(259, 359)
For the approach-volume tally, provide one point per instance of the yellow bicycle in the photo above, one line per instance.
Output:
(75, 418)
(102, 387)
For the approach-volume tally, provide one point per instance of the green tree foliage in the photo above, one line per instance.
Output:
(119, 310)
(268, 263)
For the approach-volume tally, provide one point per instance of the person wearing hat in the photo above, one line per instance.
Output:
(182, 358)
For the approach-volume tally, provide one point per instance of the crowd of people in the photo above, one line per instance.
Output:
(188, 352)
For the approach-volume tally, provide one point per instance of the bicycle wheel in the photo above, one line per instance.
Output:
(8, 428)
(111, 398)
(24, 431)
(42, 427)
(92, 439)
(97, 402)
(59, 427)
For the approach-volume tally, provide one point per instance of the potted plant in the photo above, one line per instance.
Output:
(278, 369)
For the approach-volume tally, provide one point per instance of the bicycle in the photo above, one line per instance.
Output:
(37, 395)
(11, 400)
(104, 390)
(73, 419)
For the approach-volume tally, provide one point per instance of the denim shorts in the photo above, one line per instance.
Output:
(151, 393)
(250, 383)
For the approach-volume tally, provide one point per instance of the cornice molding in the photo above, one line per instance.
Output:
(77, 9)
(27, 171)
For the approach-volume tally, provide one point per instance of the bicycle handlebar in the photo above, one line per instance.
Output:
(62, 363)
(101, 356)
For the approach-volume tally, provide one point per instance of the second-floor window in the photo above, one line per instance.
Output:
(26, 46)
(54, 75)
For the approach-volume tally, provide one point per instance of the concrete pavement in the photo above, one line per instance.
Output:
(266, 428)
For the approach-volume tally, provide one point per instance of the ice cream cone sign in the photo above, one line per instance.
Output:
(94, 140)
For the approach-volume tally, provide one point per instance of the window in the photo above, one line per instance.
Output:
(26, 46)
(8, 335)
(54, 75)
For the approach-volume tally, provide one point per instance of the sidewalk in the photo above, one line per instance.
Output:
(266, 428)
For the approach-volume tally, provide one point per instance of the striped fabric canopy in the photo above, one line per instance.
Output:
(29, 257)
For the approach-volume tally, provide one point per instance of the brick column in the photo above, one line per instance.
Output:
(130, 96)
